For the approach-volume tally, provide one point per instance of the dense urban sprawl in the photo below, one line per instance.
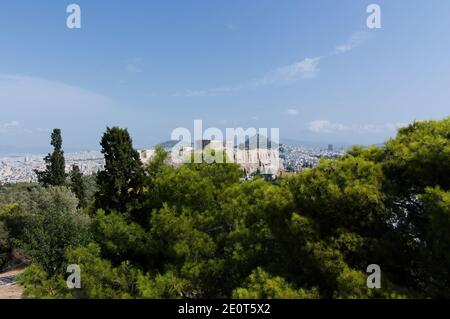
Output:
(14, 169)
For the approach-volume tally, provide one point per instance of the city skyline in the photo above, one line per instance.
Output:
(320, 75)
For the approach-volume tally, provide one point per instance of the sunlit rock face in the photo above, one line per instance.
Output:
(262, 160)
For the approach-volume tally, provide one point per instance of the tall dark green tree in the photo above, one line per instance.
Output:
(77, 185)
(54, 174)
(120, 184)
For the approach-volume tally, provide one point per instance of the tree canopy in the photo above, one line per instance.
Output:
(200, 231)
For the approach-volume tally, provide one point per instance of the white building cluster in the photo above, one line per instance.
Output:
(263, 160)
(296, 159)
(15, 169)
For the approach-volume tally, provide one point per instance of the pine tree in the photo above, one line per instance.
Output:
(77, 185)
(54, 174)
(120, 183)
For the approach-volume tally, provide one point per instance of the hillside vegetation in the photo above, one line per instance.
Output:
(198, 231)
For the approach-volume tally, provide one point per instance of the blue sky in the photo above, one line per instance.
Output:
(311, 68)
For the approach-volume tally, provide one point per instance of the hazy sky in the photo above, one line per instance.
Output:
(311, 68)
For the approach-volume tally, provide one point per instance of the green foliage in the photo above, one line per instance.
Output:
(77, 186)
(353, 184)
(90, 186)
(99, 278)
(54, 227)
(55, 174)
(222, 175)
(183, 186)
(418, 157)
(12, 221)
(415, 163)
(4, 244)
(161, 286)
(157, 162)
(21, 194)
(38, 284)
(122, 239)
(198, 231)
(436, 241)
(121, 182)
(261, 285)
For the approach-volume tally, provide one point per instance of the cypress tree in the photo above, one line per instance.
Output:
(121, 181)
(77, 185)
(54, 174)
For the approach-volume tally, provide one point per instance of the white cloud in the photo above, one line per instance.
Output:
(197, 93)
(355, 40)
(135, 66)
(43, 130)
(9, 126)
(292, 112)
(15, 128)
(325, 126)
(207, 92)
(305, 69)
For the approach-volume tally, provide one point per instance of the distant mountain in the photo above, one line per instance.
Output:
(250, 143)
(257, 141)
(307, 144)
(11, 150)
(168, 145)
(311, 144)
